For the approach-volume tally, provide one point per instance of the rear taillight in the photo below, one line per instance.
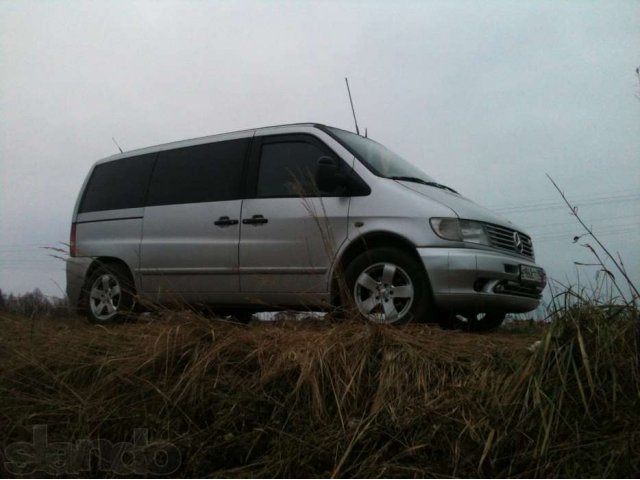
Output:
(72, 241)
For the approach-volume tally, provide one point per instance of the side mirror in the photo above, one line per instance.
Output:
(329, 175)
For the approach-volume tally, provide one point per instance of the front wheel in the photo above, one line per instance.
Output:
(388, 286)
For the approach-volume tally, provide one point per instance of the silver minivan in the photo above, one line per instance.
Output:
(300, 216)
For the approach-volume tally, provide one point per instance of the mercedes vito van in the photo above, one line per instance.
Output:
(300, 216)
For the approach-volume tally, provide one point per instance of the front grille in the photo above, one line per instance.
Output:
(502, 238)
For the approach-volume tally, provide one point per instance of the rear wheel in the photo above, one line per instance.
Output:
(110, 295)
(388, 286)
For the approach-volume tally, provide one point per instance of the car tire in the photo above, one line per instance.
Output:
(389, 286)
(109, 295)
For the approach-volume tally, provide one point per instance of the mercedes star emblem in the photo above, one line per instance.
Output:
(517, 242)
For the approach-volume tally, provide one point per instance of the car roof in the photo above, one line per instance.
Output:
(202, 140)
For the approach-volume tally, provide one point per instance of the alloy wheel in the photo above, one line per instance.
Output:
(384, 293)
(105, 297)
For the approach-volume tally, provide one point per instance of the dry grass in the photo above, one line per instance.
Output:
(326, 399)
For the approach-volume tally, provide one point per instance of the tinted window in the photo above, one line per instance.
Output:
(288, 169)
(118, 184)
(204, 173)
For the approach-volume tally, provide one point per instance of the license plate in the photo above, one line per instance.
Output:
(529, 274)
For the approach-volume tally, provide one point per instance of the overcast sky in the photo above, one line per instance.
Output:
(485, 97)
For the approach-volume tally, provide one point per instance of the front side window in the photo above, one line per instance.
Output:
(118, 184)
(288, 169)
(202, 173)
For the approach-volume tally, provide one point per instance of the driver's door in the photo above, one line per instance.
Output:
(290, 230)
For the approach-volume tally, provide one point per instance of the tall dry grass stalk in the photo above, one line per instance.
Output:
(343, 400)
(617, 262)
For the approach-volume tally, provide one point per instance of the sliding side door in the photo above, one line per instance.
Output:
(191, 224)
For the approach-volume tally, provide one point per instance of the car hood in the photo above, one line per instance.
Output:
(463, 207)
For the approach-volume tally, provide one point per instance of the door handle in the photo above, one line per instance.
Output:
(225, 222)
(255, 220)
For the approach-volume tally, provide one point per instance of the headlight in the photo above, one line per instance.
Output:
(473, 232)
(460, 230)
(447, 228)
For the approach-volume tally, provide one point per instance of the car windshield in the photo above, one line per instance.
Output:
(380, 159)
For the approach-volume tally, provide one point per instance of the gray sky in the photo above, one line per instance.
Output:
(485, 97)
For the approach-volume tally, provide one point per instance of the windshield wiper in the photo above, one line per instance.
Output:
(424, 182)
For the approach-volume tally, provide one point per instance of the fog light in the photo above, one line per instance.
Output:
(499, 288)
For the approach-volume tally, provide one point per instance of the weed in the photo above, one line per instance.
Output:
(346, 399)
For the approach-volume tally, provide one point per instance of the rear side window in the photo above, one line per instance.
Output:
(203, 173)
(288, 169)
(118, 184)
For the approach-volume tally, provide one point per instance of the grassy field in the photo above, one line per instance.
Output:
(189, 396)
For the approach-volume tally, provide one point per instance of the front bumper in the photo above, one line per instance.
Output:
(76, 274)
(466, 279)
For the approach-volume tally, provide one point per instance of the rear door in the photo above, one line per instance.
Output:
(290, 230)
(191, 226)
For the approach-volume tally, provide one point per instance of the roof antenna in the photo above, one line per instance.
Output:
(352, 109)
(114, 141)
